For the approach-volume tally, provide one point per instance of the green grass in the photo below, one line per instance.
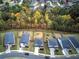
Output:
(31, 46)
(46, 49)
(73, 51)
(2, 48)
(58, 51)
(25, 49)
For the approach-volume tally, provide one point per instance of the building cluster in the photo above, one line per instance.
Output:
(34, 4)
(41, 0)
(13, 1)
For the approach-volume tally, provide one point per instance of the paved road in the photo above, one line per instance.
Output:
(31, 56)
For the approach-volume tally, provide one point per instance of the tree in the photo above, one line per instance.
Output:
(37, 16)
(77, 27)
(55, 10)
(48, 21)
(15, 9)
(1, 1)
(5, 16)
(62, 22)
(64, 11)
(2, 24)
(74, 11)
(5, 7)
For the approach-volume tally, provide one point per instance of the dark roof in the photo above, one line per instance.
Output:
(38, 42)
(74, 41)
(66, 43)
(52, 43)
(9, 38)
(25, 38)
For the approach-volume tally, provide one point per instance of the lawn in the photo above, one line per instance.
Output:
(2, 48)
(46, 49)
(58, 51)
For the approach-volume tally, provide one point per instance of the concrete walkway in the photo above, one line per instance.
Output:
(52, 52)
(36, 51)
(8, 49)
(20, 49)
